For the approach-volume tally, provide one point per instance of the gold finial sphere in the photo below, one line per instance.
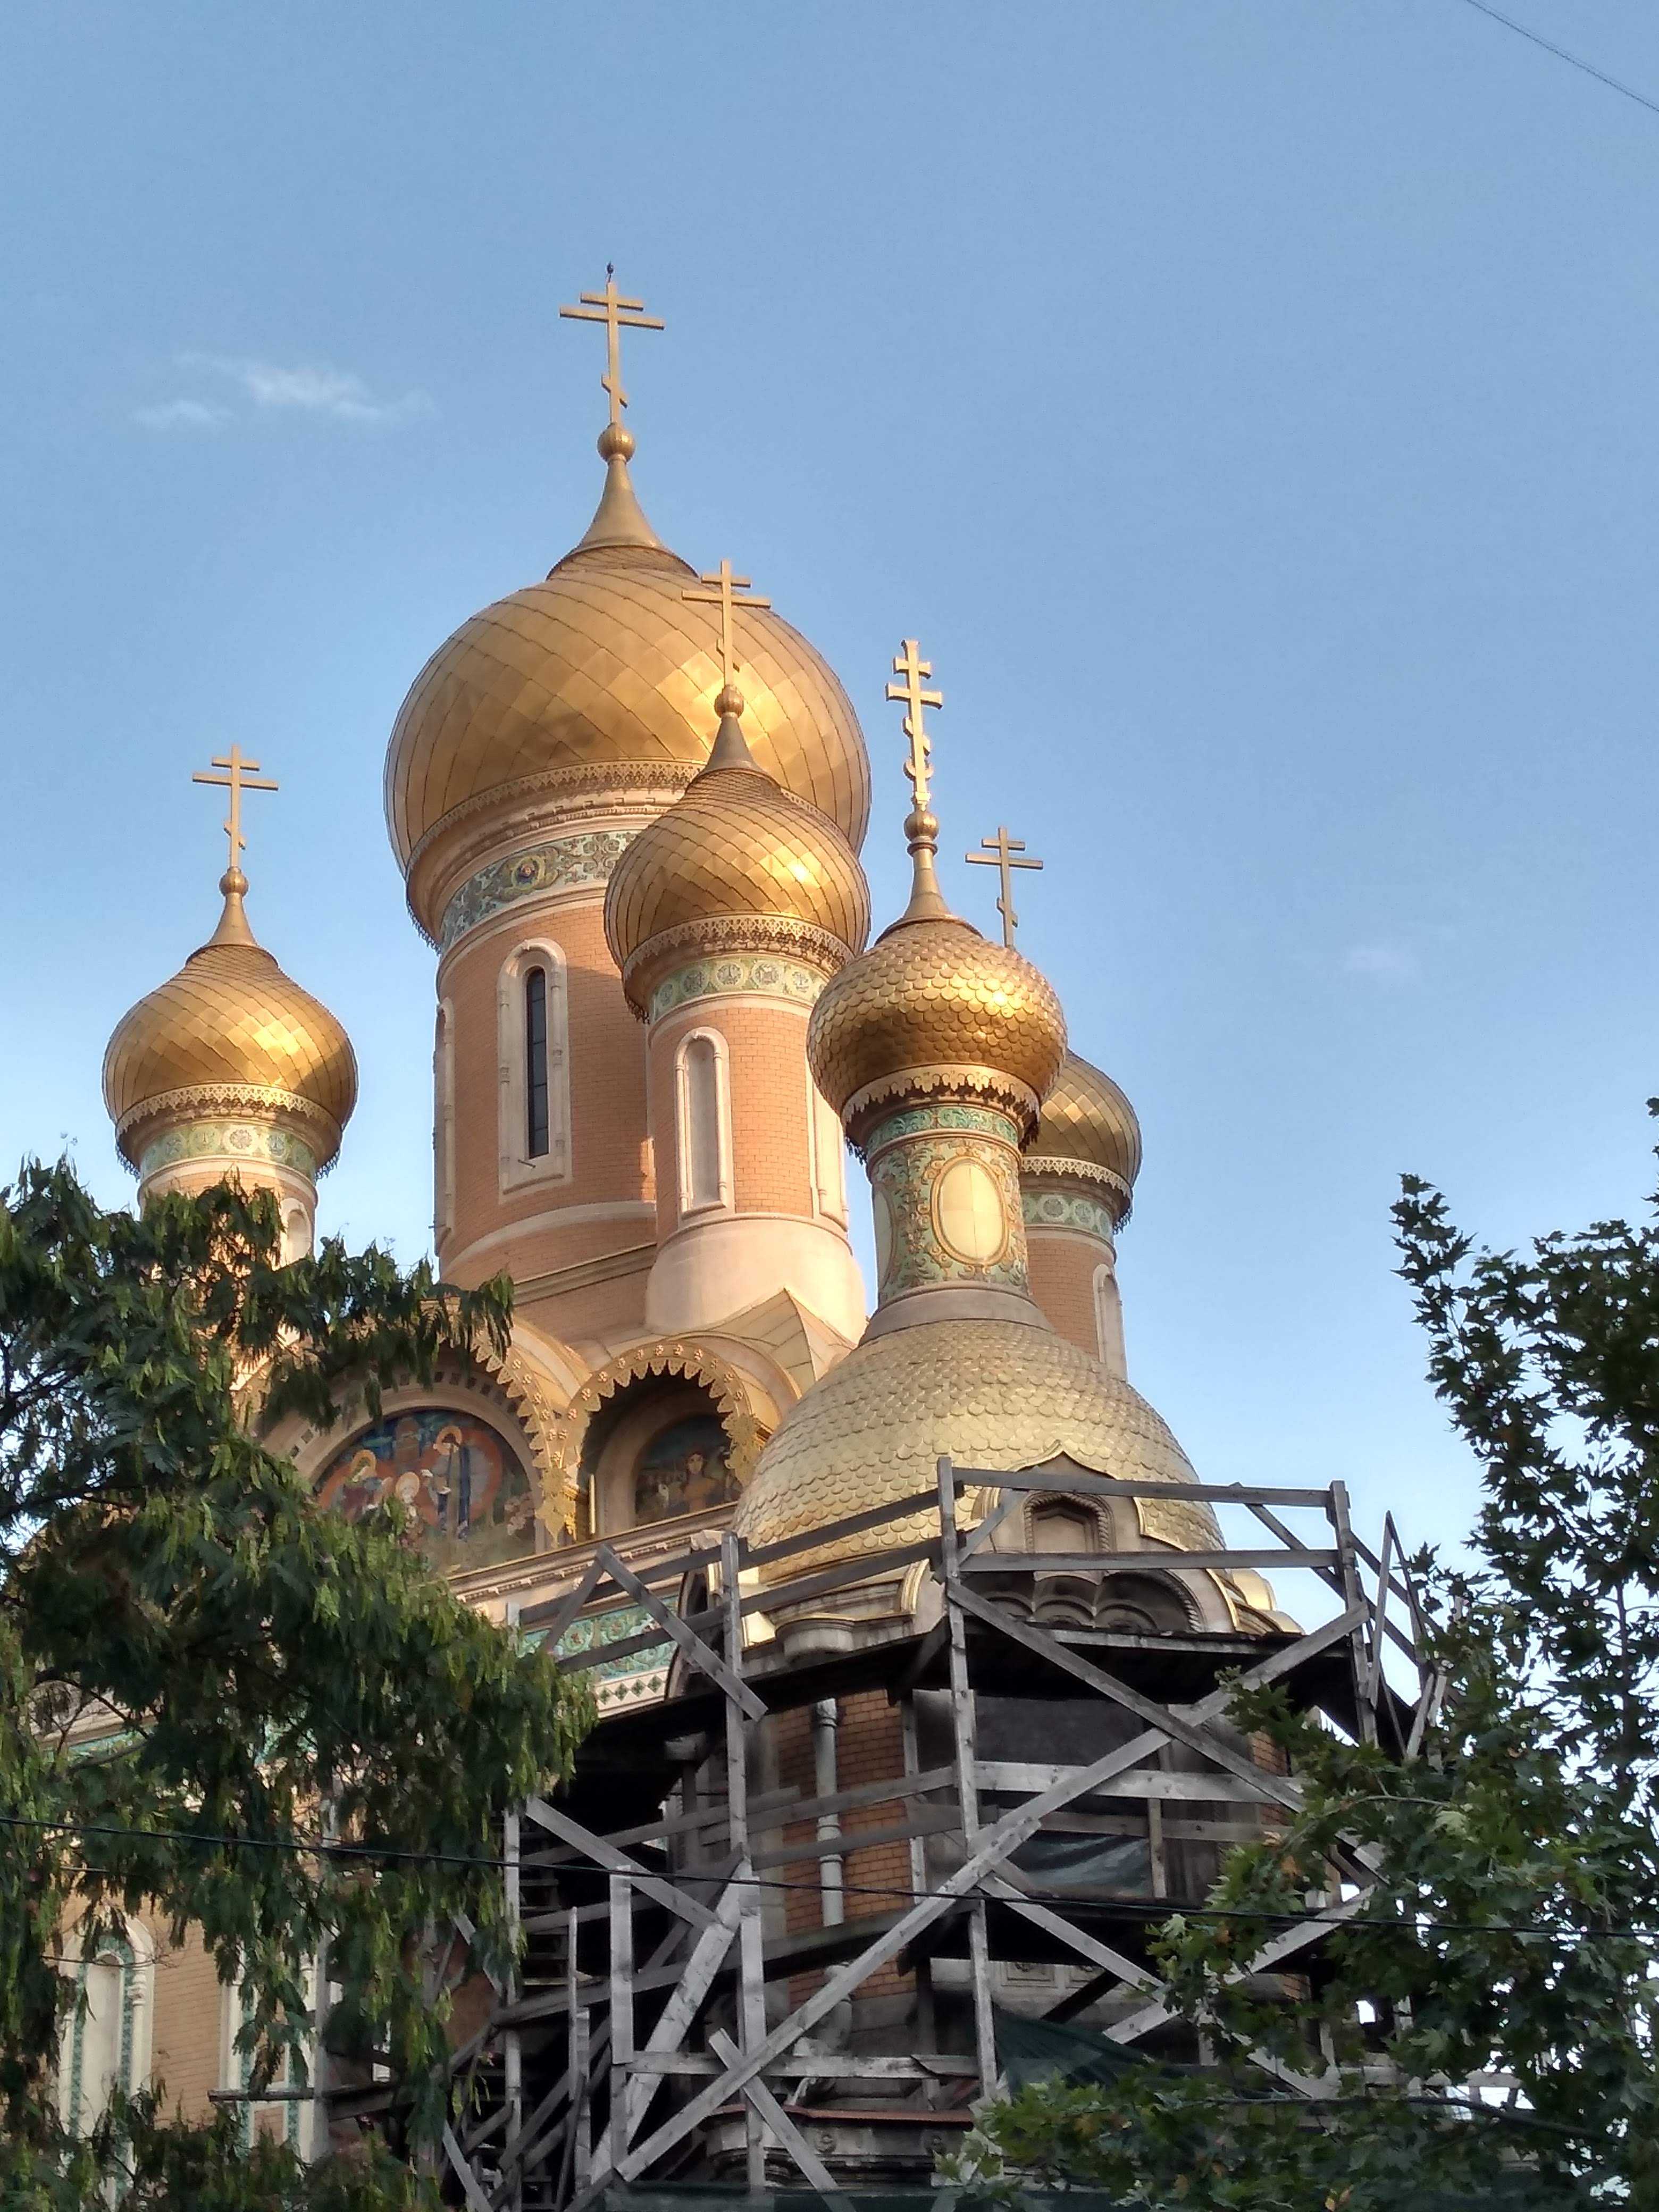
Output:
(729, 700)
(616, 443)
(233, 884)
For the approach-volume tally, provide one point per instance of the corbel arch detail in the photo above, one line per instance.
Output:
(694, 1363)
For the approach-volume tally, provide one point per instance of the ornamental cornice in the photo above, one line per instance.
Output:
(200, 1102)
(742, 975)
(1049, 1169)
(946, 1079)
(460, 840)
(729, 934)
(1064, 1209)
(557, 864)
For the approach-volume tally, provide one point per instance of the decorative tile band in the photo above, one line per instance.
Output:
(745, 973)
(1053, 1209)
(632, 1679)
(562, 864)
(944, 1186)
(236, 1140)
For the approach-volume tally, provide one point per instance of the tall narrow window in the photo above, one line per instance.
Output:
(701, 1135)
(535, 1063)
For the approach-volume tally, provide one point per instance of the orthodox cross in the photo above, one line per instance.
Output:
(999, 853)
(617, 315)
(908, 663)
(723, 596)
(240, 775)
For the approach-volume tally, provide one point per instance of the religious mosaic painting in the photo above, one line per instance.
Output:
(685, 1468)
(463, 1485)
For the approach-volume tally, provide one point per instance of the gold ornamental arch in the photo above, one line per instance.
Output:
(692, 1362)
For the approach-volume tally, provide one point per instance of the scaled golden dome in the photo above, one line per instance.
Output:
(736, 848)
(1087, 1119)
(990, 1394)
(935, 995)
(603, 665)
(230, 1021)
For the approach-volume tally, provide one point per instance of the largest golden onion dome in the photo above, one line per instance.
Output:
(738, 860)
(604, 676)
(230, 1031)
(1088, 1128)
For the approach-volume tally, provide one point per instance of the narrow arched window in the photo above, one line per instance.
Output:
(701, 1138)
(535, 1063)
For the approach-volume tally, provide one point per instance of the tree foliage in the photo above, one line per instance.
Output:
(1515, 1925)
(204, 1678)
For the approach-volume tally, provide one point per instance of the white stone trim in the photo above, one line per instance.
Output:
(693, 1205)
(516, 1169)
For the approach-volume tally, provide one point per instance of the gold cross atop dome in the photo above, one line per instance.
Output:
(909, 664)
(724, 594)
(618, 315)
(240, 775)
(1000, 852)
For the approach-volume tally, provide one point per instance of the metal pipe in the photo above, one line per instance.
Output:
(826, 1719)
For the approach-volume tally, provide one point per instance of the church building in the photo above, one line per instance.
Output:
(628, 801)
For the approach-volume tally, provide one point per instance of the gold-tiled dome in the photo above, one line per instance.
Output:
(990, 1394)
(737, 849)
(1087, 1119)
(931, 995)
(606, 665)
(229, 1027)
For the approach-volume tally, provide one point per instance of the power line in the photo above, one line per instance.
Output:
(1154, 1910)
(1520, 31)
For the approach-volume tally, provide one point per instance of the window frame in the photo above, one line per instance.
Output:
(691, 1208)
(517, 1168)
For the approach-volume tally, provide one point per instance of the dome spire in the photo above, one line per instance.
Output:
(619, 518)
(239, 774)
(731, 747)
(920, 825)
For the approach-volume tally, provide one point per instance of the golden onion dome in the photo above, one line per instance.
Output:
(990, 1394)
(1088, 1126)
(738, 859)
(931, 1003)
(230, 1030)
(605, 670)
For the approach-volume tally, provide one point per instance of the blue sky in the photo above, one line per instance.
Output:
(1250, 407)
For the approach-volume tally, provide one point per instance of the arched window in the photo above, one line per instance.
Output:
(535, 1063)
(1060, 1526)
(535, 1081)
(1109, 1323)
(105, 2041)
(829, 1157)
(704, 1122)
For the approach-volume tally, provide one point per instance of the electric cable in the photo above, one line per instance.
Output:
(1561, 54)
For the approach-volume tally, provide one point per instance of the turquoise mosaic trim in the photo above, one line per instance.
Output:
(907, 1184)
(118, 1949)
(977, 1121)
(634, 1677)
(752, 974)
(236, 1140)
(1053, 1209)
(562, 864)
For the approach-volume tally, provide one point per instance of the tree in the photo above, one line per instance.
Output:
(1515, 1922)
(300, 1742)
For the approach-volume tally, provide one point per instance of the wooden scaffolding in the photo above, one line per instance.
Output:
(660, 2027)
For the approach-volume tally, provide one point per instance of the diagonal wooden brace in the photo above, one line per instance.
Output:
(615, 1861)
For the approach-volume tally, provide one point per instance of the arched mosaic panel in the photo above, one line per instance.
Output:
(463, 1485)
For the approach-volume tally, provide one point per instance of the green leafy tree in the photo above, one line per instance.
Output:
(1514, 1926)
(219, 1703)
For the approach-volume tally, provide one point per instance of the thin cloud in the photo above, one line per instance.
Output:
(334, 395)
(181, 415)
(1381, 960)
